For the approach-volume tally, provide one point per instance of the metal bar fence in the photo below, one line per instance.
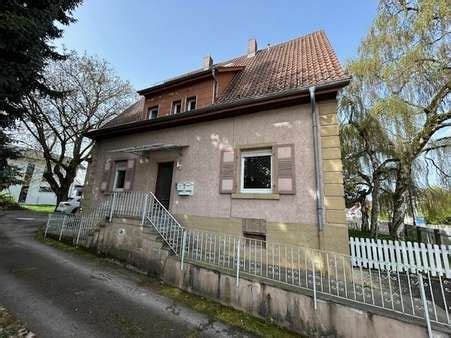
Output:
(392, 282)
(322, 272)
(79, 226)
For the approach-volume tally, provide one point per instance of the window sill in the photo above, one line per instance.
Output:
(254, 196)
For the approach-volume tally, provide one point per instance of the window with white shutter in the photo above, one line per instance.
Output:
(227, 172)
(286, 183)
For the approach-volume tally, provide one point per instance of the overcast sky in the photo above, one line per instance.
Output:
(149, 41)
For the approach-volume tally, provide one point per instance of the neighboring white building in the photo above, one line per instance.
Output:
(34, 188)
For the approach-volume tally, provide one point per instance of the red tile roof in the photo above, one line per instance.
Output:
(299, 63)
(131, 114)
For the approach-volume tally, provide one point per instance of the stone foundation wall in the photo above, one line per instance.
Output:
(287, 306)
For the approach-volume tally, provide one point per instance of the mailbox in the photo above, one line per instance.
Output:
(184, 188)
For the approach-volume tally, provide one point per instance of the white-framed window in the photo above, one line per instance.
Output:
(152, 112)
(176, 107)
(119, 176)
(256, 171)
(191, 103)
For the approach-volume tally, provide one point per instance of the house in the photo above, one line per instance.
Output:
(249, 146)
(34, 189)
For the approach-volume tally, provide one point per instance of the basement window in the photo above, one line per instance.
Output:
(176, 107)
(255, 241)
(191, 103)
(256, 171)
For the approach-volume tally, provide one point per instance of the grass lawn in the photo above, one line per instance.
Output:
(44, 208)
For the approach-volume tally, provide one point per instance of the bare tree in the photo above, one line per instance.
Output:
(93, 95)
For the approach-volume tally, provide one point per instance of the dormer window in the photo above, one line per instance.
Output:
(176, 107)
(191, 103)
(152, 112)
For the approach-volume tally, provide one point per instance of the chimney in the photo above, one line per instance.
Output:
(208, 62)
(251, 47)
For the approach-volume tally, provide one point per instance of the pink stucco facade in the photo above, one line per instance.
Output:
(290, 216)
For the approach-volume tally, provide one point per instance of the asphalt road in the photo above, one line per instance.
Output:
(63, 294)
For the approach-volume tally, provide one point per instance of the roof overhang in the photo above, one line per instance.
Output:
(224, 110)
(147, 148)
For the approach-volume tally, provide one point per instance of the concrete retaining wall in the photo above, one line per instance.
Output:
(288, 308)
(124, 239)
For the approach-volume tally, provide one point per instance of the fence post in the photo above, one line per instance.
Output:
(47, 226)
(62, 227)
(238, 264)
(79, 230)
(146, 199)
(183, 249)
(113, 204)
(314, 284)
(425, 305)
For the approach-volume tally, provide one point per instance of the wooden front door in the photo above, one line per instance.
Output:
(164, 183)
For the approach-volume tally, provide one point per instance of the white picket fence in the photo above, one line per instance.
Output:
(401, 256)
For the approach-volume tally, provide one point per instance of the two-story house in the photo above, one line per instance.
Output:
(249, 146)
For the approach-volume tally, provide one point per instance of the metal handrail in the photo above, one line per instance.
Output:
(167, 211)
(173, 227)
(395, 289)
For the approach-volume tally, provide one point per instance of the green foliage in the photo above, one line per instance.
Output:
(26, 28)
(356, 233)
(398, 103)
(7, 202)
(44, 208)
(435, 204)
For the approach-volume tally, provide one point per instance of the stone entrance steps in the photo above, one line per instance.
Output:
(129, 241)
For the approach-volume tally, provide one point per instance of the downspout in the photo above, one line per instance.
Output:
(215, 85)
(317, 154)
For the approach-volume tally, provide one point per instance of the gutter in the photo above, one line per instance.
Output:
(317, 154)
(217, 111)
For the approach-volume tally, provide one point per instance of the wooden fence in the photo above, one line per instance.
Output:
(401, 256)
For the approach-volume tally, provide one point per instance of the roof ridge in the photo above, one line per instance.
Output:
(321, 31)
(234, 59)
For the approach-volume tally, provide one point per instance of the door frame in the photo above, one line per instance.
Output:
(170, 183)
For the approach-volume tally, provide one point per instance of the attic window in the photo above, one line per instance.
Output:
(191, 103)
(176, 107)
(152, 112)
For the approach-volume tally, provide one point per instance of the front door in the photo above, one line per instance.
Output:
(164, 183)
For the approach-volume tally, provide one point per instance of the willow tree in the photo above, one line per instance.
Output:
(403, 65)
(368, 156)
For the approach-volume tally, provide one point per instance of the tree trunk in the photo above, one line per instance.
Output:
(375, 206)
(62, 194)
(364, 210)
(399, 201)
(61, 187)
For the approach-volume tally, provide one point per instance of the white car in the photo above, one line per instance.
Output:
(71, 206)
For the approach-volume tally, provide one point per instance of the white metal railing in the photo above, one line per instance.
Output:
(401, 255)
(384, 284)
(164, 223)
(323, 272)
(77, 226)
